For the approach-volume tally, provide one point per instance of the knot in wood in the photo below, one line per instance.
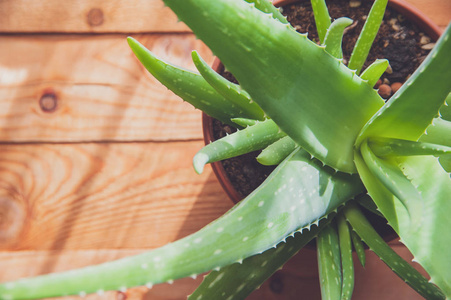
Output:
(12, 220)
(48, 102)
(95, 17)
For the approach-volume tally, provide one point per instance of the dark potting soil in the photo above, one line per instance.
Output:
(399, 41)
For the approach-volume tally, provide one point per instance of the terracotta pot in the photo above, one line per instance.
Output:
(411, 13)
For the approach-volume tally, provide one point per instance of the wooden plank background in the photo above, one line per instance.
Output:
(101, 169)
(102, 91)
(116, 16)
(87, 16)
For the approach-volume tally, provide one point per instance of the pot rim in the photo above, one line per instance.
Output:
(409, 11)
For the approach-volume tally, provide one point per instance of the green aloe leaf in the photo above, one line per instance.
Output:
(427, 244)
(275, 153)
(237, 281)
(250, 139)
(367, 36)
(347, 264)
(411, 110)
(243, 122)
(408, 273)
(439, 132)
(389, 174)
(445, 161)
(322, 18)
(229, 90)
(366, 202)
(384, 200)
(267, 7)
(386, 147)
(298, 193)
(189, 86)
(445, 110)
(329, 264)
(334, 37)
(421, 215)
(375, 71)
(323, 121)
(358, 247)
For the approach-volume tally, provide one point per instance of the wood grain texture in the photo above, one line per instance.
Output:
(122, 16)
(103, 92)
(103, 196)
(99, 16)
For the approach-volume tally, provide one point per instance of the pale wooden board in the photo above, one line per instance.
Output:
(88, 16)
(103, 196)
(103, 91)
(126, 15)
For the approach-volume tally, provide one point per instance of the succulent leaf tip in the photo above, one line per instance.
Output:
(199, 162)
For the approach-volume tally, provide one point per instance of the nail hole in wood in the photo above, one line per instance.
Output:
(48, 102)
(95, 17)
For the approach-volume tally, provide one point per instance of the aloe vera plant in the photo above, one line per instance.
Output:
(337, 145)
